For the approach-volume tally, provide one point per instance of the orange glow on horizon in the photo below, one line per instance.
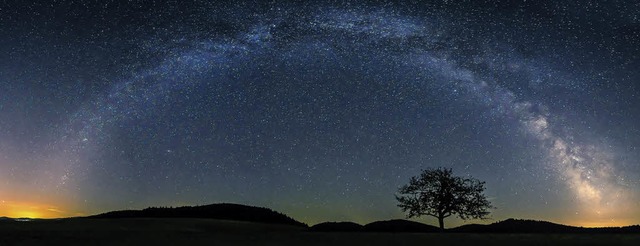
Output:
(596, 224)
(13, 209)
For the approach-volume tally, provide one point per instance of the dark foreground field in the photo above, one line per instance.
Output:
(220, 232)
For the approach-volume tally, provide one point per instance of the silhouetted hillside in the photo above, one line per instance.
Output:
(337, 227)
(470, 228)
(223, 211)
(518, 226)
(399, 226)
(505, 226)
(534, 226)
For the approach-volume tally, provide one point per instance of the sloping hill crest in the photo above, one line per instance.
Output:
(224, 211)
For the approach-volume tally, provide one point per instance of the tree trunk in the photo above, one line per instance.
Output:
(441, 222)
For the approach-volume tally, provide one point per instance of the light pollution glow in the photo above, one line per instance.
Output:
(18, 209)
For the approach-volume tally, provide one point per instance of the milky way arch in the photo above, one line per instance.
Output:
(418, 52)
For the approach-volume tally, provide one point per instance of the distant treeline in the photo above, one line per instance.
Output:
(378, 226)
(224, 211)
(506, 226)
(534, 226)
(227, 211)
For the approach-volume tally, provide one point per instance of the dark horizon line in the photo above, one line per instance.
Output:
(278, 212)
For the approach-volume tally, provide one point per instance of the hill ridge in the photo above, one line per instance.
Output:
(512, 225)
(239, 212)
(226, 211)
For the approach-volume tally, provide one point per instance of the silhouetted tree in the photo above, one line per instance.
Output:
(437, 193)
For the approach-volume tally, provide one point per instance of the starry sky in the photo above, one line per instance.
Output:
(320, 110)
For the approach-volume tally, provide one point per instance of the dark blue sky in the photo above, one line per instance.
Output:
(320, 110)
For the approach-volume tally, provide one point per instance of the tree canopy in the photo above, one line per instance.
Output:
(438, 193)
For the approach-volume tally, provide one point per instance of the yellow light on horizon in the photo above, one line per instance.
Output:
(31, 210)
(24, 214)
(596, 224)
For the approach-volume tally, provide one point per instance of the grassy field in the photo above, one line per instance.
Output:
(219, 232)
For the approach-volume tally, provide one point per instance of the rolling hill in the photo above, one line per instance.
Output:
(238, 212)
(337, 227)
(535, 226)
(399, 226)
(224, 211)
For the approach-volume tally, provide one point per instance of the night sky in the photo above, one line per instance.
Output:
(320, 110)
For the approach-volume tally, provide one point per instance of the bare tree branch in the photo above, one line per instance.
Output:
(437, 193)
